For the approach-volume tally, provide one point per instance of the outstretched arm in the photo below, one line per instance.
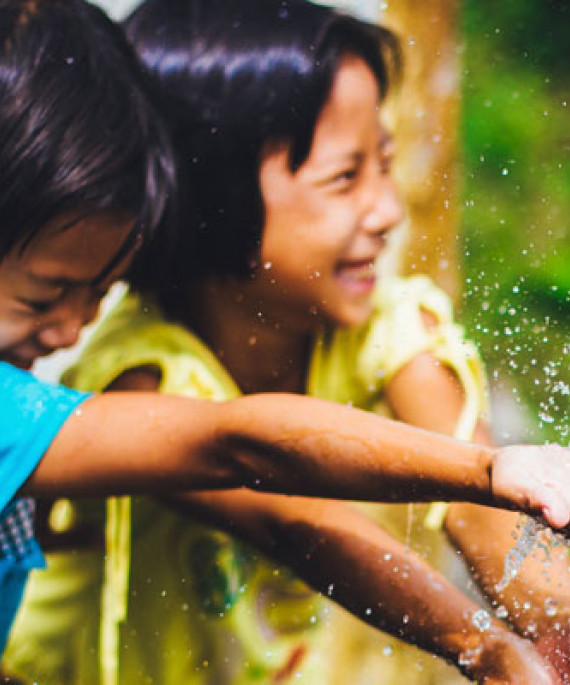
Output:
(537, 601)
(141, 442)
(341, 553)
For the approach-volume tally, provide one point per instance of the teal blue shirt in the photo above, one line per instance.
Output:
(31, 414)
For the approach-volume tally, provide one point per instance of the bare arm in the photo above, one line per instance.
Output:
(342, 553)
(363, 569)
(484, 535)
(141, 442)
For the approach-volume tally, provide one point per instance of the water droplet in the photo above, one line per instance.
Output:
(550, 607)
(501, 612)
(470, 656)
(481, 620)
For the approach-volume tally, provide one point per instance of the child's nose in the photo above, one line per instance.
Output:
(60, 334)
(63, 329)
(385, 210)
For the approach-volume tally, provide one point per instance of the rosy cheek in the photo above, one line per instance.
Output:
(13, 333)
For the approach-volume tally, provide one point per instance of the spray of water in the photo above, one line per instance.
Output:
(534, 535)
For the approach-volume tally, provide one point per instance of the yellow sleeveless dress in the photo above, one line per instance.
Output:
(183, 604)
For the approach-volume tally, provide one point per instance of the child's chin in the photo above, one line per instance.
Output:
(355, 316)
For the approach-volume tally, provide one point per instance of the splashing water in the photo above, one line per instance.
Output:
(533, 535)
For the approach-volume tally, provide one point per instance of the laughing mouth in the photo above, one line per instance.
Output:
(357, 272)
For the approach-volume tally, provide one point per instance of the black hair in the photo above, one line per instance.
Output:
(235, 76)
(79, 134)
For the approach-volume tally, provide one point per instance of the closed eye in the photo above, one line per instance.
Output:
(39, 306)
(343, 180)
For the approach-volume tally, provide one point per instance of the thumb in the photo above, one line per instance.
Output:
(554, 508)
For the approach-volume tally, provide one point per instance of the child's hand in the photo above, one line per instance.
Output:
(502, 657)
(535, 479)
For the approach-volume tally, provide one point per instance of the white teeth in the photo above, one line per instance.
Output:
(358, 273)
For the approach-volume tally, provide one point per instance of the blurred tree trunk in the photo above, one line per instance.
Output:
(427, 126)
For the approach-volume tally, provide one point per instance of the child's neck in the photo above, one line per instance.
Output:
(261, 355)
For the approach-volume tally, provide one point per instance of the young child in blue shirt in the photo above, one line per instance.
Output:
(32, 414)
(85, 174)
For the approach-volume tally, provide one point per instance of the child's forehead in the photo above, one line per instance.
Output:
(68, 252)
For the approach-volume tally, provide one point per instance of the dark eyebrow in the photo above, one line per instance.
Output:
(54, 282)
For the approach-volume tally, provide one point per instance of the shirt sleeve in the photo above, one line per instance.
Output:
(31, 414)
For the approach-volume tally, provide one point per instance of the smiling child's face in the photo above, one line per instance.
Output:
(326, 224)
(53, 288)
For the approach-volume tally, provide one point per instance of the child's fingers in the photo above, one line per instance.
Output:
(555, 509)
(536, 479)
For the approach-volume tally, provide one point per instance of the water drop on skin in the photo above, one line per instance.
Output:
(501, 612)
(550, 607)
(469, 656)
(481, 620)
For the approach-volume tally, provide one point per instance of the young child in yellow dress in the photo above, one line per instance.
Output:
(271, 286)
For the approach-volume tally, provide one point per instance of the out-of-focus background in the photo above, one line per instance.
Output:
(483, 121)
(515, 249)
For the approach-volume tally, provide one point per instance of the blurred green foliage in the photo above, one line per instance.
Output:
(516, 202)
